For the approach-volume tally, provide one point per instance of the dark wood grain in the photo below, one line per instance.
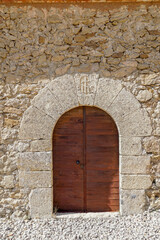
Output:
(67, 149)
(89, 135)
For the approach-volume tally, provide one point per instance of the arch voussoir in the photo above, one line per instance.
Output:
(107, 91)
(124, 104)
(64, 90)
(35, 125)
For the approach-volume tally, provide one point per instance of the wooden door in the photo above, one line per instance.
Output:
(85, 162)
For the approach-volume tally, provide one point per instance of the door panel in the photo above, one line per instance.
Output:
(101, 160)
(67, 149)
(89, 135)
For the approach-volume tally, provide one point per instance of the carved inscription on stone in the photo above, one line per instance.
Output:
(86, 88)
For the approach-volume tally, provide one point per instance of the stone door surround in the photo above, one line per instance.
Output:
(56, 98)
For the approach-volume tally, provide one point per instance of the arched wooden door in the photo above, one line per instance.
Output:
(86, 162)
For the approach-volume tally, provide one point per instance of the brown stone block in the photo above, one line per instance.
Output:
(10, 122)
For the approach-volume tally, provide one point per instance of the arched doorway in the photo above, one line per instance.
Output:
(36, 128)
(86, 161)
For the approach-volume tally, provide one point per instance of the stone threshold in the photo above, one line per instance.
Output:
(87, 215)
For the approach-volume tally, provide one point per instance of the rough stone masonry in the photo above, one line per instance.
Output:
(39, 44)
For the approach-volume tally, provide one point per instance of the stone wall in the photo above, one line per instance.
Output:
(39, 44)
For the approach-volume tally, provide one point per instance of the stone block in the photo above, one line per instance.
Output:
(86, 86)
(132, 202)
(40, 202)
(22, 146)
(62, 70)
(130, 146)
(148, 79)
(8, 122)
(136, 124)
(134, 164)
(124, 104)
(41, 145)
(11, 78)
(123, 72)
(47, 102)
(42, 61)
(151, 144)
(35, 161)
(8, 181)
(36, 125)
(107, 90)
(36, 179)
(136, 182)
(63, 88)
(144, 95)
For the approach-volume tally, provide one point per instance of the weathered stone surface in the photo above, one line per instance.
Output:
(10, 122)
(151, 144)
(8, 133)
(144, 95)
(124, 104)
(11, 78)
(8, 181)
(22, 146)
(58, 58)
(101, 20)
(116, 15)
(54, 19)
(62, 70)
(12, 110)
(123, 72)
(48, 103)
(106, 73)
(158, 182)
(41, 146)
(86, 86)
(149, 79)
(128, 63)
(41, 40)
(108, 51)
(41, 203)
(35, 161)
(35, 179)
(65, 91)
(136, 182)
(136, 124)
(108, 88)
(143, 66)
(42, 61)
(36, 46)
(130, 146)
(135, 164)
(132, 201)
(80, 38)
(36, 125)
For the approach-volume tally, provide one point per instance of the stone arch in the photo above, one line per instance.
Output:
(63, 94)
